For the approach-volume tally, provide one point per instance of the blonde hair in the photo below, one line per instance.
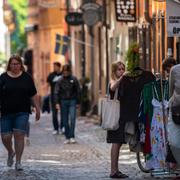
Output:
(114, 68)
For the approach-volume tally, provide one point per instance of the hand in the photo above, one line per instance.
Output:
(77, 106)
(33, 109)
(57, 106)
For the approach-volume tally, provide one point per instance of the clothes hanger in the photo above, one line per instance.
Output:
(158, 76)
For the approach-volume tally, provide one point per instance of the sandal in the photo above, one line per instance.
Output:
(119, 175)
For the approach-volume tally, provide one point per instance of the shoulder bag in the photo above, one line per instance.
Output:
(110, 112)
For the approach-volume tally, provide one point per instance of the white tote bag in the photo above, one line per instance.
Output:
(110, 112)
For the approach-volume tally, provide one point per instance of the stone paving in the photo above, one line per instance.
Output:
(47, 158)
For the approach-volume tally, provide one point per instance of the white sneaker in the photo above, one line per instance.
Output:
(18, 166)
(10, 159)
(63, 130)
(55, 132)
(72, 140)
(67, 141)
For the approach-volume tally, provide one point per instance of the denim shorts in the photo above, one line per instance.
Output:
(14, 122)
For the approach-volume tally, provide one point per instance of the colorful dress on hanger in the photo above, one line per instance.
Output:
(156, 158)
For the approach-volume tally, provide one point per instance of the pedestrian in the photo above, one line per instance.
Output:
(173, 128)
(17, 90)
(167, 64)
(129, 91)
(116, 137)
(52, 79)
(67, 95)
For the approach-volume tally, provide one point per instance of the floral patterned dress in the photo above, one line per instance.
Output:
(157, 135)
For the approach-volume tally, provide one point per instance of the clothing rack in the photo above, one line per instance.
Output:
(166, 172)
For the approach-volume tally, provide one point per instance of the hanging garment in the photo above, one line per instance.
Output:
(157, 159)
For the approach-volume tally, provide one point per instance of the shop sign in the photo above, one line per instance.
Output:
(173, 17)
(125, 10)
(74, 18)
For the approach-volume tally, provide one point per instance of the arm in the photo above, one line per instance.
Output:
(56, 95)
(48, 84)
(115, 83)
(36, 105)
(78, 89)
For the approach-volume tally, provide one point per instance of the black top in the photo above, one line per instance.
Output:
(130, 89)
(52, 80)
(129, 94)
(67, 88)
(16, 93)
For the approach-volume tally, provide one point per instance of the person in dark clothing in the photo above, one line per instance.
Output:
(129, 92)
(17, 91)
(115, 137)
(52, 80)
(46, 104)
(167, 64)
(130, 89)
(67, 94)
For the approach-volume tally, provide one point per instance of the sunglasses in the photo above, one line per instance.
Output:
(120, 69)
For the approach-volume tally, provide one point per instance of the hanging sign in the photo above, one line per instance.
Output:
(173, 17)
(125, 10)
(74, 18)
(91, 13)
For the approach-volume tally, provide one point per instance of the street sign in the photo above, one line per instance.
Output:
(125, 10)
(91, 13)
(74, 18)
(173, 17)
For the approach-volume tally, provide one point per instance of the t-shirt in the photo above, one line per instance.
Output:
(16, 93)
(52, 79)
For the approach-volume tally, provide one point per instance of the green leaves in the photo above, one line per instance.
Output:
(132, 58)
(18, 37)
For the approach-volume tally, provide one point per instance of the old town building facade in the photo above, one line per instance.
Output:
(93, 48)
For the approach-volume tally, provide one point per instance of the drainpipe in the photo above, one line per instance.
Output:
(107, 44)
(68, 60)
(148, 33)
(146, 12)
(154, 42)
(100, 61)
(163, 35)
(91, 33)
(83, 53)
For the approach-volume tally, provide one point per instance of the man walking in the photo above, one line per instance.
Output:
(52, 78)
(67, 94)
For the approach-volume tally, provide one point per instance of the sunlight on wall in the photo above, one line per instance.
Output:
(2, 30)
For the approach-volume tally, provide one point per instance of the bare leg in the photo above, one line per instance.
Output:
(19, 145)
(7, 141)
(115, 157)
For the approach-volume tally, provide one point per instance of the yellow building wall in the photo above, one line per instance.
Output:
(42, 42)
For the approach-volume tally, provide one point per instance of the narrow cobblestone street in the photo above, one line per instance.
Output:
(48, 158)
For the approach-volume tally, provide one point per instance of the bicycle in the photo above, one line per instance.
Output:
(141, 161)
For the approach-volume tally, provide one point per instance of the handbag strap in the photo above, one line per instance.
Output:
(115, 94)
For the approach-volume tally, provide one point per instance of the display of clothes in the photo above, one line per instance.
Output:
(155, 106)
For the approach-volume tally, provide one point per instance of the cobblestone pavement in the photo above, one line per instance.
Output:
(47, 158)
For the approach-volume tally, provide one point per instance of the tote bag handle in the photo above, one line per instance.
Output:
(115, 94)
